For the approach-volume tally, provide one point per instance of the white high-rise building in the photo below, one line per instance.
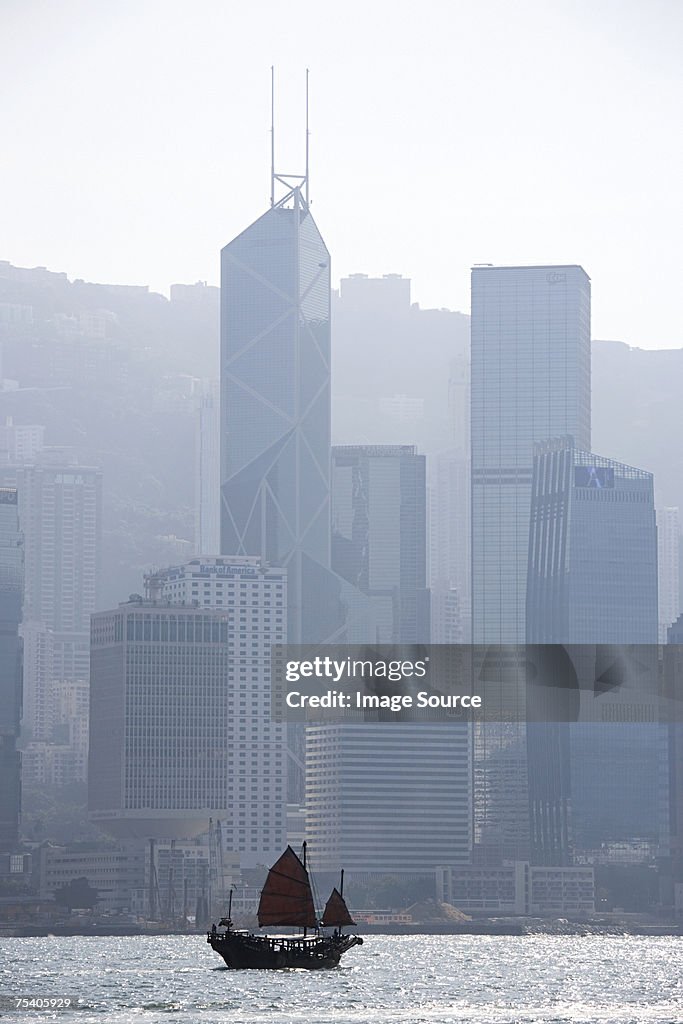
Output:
(194, 737)
(60, 513)
(668, 543)
(21, 443)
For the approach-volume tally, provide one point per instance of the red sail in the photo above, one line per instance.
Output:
(336, 912)
(286, 898)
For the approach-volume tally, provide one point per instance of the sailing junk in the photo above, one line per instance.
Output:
(287, 900)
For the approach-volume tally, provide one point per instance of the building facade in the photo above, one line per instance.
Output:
(530, 380)
(593, 581)
(379, 534)
(449, 545)
(275, 405)
(207, 536)
(60, 507)
(386, 797)
(234, 753)
(11, 584)
(391, 798)
(518, 887)
(668, 546)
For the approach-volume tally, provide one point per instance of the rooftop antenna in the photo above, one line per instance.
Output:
(292, 182)
(308, 134)
(272, 135)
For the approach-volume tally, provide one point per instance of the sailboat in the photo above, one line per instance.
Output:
(287, 901)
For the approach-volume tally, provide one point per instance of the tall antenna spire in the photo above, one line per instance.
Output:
(292, 182)
(272, 135)
(307, 138)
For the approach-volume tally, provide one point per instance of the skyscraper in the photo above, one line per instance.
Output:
(180, 715)
(11, 582)
(450, 562)
(668, 544)
(275, 402)
(386, 797)
(592, 550)
(254, 597)
(530, 380)
(379, 534)
(60, 515)
(671, 838)
(60, 510)
(160, 719)
(593, 581)
(449, 545)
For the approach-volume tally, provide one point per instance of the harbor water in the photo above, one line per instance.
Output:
(536, 979)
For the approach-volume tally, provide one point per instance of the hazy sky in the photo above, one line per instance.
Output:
(444, 133)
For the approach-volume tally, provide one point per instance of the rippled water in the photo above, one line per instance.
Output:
(390, 980)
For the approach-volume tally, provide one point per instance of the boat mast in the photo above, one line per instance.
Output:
(303, 847)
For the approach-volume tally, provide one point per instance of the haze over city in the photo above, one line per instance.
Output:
(442, 136)
(340, 510)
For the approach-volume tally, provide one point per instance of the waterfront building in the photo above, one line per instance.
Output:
(518, 887)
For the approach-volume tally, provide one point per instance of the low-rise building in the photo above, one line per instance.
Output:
(517, 887)
(115, 872)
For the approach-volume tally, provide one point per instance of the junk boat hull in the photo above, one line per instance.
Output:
(243, 950)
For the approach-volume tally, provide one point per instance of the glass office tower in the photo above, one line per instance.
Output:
(530, 357)
(593, 581)
(530, 381)
(386, 797)
(275, 405)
